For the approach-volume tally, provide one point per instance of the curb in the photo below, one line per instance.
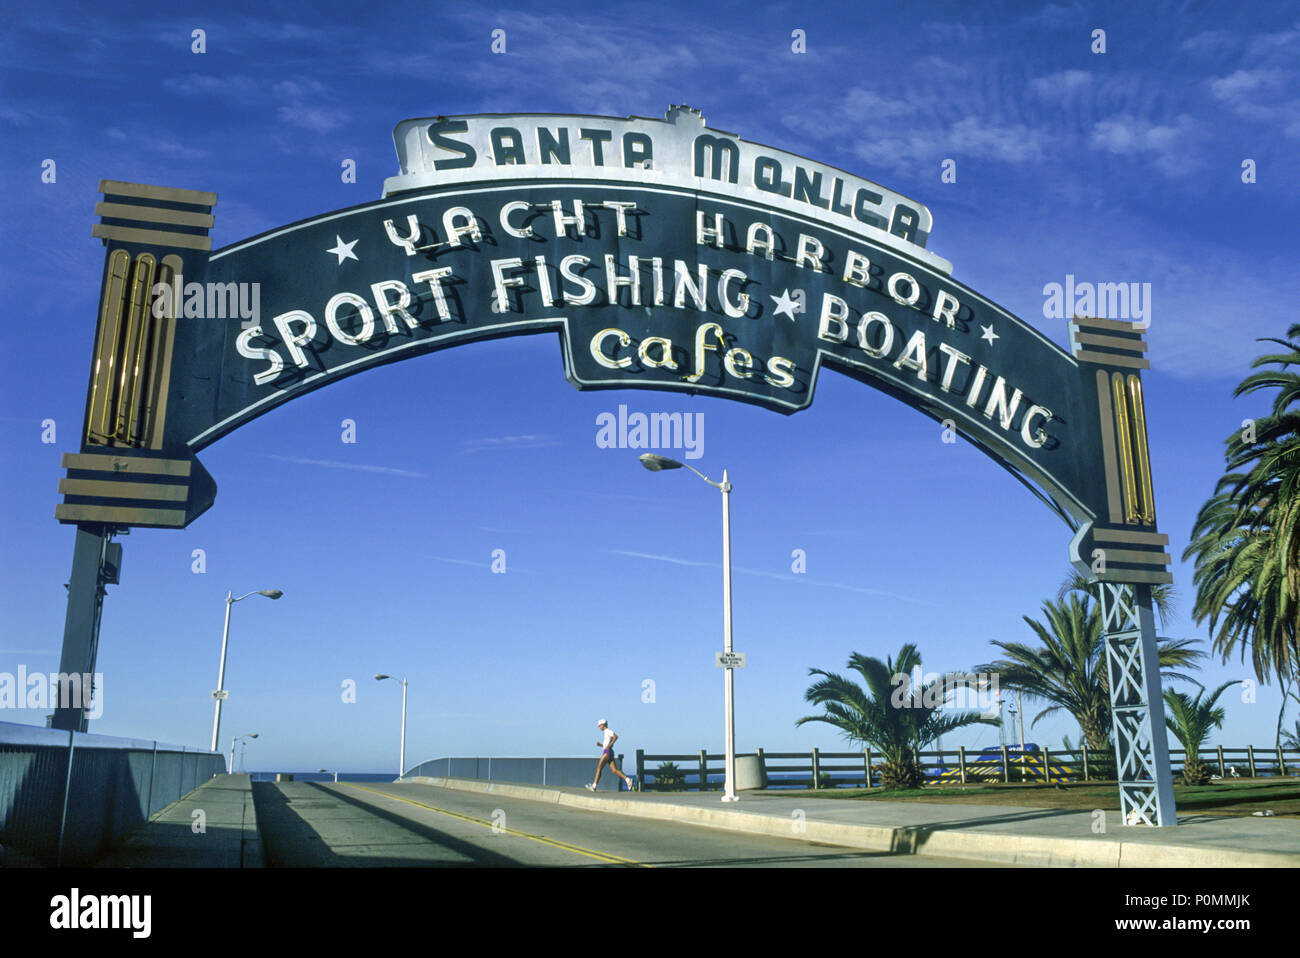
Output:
(924, 840)
(252, 852)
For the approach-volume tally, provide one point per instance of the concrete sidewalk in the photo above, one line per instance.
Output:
(229, 838)
(991, 833)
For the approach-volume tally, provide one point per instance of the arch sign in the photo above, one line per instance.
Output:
(665, 255)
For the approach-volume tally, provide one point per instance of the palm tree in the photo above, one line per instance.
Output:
(1067, 670)
(1243, 585)
(1291, 738)
(669, 778)
(1246, 539)
(1191, 719)
(888, 715)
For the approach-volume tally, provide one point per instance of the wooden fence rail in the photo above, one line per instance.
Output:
(959, 766)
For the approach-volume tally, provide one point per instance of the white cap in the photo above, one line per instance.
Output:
(602, 722)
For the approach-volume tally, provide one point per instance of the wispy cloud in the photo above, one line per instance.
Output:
(1013, 143)
(482, 717)
(477, 564)
(303, 107)
(1239, 82)
(783, 576)
(451, 561)
(230, 86)
(1056, 15)
(920, 126)
(1264, 95)
(570, 41)
(1169, 147)
(16, 117)
(596, 494)
(509, 442)
(149, 142)
(1210, 41)
(354, 466)
(1062, 84)
(842, 586)
(301, 102)
(658, 558)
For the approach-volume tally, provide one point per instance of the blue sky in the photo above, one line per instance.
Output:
(1123, 166)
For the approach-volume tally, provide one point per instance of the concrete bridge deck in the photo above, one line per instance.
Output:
(983, 833)
(458, 822)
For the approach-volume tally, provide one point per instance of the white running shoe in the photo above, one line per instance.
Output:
(589, 787)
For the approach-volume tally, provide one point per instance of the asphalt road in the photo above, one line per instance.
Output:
(326, 825)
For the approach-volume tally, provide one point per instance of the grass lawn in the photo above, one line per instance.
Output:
(1218, 798)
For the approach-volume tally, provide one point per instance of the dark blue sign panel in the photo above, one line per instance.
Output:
(662, 289)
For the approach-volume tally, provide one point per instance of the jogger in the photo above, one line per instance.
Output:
(607, 757)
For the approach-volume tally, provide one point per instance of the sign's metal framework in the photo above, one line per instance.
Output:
(653, 249)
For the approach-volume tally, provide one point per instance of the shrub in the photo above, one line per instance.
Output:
(668, 778)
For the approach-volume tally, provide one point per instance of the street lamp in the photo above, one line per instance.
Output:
(326, 771)
(233, 740)
(220, 693)
(657, 464)
(401, 759)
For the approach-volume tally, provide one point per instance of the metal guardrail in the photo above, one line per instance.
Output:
(66, 796)
(818, 769)
(564, 772)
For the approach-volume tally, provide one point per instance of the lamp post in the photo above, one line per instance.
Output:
(657, 464)
(233, 740)
(326, 771)
(220, 693)
(401, 759)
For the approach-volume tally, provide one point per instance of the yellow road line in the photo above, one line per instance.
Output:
(599, 856)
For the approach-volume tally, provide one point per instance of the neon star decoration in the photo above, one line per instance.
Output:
(784, 304)
(343, 250)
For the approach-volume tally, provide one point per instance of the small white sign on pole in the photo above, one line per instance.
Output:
(730, 660)
(221, 694)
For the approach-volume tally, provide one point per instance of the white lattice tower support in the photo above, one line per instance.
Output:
(1146, 789)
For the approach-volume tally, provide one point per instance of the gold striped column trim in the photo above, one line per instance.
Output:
(120, 515)
(1130, 536)
(147, 192)
(154, 214)
(136, 465)
(1112, 342)
(1108, 448)
(163, 491)
(1112, 359)
(126, 234)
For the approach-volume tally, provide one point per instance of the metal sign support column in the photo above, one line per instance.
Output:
(1146, 790)
(81, 626)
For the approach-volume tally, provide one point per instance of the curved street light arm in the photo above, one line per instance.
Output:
(724, 485)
